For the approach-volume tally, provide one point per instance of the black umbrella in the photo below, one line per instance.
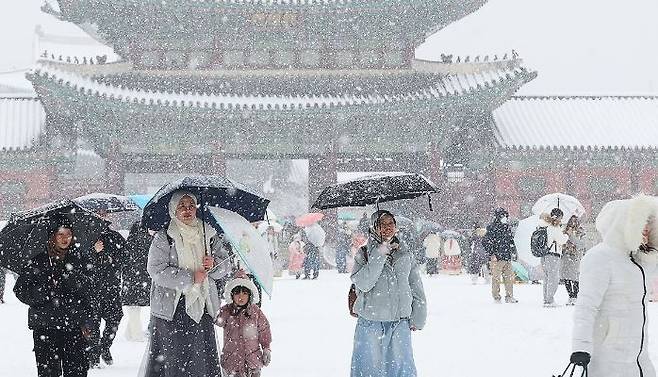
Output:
(374, 189)
(26, 234)
(210, 191)
(108, 203)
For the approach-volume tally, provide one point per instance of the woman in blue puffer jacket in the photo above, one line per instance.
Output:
(390, 304)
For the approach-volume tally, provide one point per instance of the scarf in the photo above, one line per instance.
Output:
(190, 249)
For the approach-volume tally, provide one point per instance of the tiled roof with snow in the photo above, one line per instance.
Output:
(21, 122)
(455, 84)
(575, 122)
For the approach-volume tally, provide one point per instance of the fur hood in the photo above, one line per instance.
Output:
(621, 222)
(242, 281)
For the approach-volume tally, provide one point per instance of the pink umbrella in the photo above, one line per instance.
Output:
(309, 218)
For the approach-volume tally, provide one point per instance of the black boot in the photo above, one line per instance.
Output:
(107, 357)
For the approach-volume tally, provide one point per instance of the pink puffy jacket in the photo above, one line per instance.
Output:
(246, 335)
(296, 256)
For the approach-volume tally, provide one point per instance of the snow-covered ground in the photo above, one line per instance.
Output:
(466, 334)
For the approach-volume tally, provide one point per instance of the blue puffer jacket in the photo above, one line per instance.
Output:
(389, 288)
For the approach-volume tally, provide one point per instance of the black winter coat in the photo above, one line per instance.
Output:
(105, 270)
(312, 259)
(499, 241)
(56, 292)
(136, 280)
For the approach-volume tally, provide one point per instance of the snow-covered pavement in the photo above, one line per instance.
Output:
(466, 334)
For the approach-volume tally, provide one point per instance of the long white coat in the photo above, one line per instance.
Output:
(610, 318)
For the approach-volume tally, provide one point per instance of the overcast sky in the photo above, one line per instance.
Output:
(579, 47)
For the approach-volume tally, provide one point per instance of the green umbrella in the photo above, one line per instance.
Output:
(520, 271)
(345, 216)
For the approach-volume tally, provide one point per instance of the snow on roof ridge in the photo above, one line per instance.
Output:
(450, 84)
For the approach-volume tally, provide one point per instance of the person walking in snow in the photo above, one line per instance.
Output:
(311, 260)
(55, 287)
(184, 298)
(105, 265)
(610, 330)
(296, 256)
(571, 255)
(136, 283)
(433, 243)
(247, 335)
(390, 304)
(498, 242)
(452, 260)
(550, 263)
(343, 244)
(477, 260)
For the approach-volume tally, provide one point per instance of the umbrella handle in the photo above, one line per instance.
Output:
(203, 225)
(429, 202)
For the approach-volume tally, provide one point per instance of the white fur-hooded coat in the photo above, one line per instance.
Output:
(610, 318)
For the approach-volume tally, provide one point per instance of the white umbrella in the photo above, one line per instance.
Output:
(567, 203)
(522, 240)
(315, 234)
(248, 245)
(263, 225)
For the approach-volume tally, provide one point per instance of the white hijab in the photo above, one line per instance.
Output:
(190, 248)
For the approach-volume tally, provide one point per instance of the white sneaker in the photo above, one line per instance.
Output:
(497, 300)
(551, 304)
(511, 300)
(571, 301)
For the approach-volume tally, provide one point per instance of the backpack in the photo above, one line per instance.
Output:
(351, 295)
(539, 242)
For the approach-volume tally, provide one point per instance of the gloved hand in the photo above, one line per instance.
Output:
(267, 357)
(580, 358)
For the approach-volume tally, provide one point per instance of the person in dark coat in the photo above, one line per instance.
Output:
(54, 286)
(311, 260)
(478, 258)
(498, 242)
(136, 283)
(104, 265)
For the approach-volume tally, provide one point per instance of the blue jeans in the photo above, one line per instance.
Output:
(382, 349)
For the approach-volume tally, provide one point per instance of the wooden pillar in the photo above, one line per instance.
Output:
(114, 170)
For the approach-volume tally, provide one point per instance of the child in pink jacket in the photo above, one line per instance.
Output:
(247, 334)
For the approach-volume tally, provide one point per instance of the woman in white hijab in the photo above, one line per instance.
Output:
(184, 297)
(610, 333)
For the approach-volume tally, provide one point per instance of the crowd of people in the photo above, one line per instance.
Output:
(184, 270)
